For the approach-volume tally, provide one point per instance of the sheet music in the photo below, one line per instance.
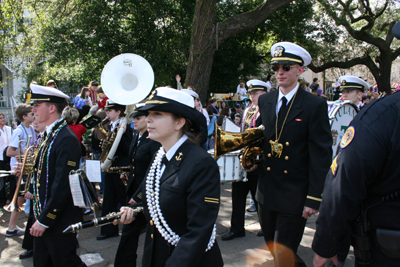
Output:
(93, 171)
(76, 191)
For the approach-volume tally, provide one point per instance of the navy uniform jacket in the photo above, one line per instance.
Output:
(296, 179)
(141, 156)
(121, 157)
(188, 179)
(365, 170)
(59, 211)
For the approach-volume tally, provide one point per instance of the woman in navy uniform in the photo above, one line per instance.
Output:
(114, 189)
(141, 152)
(182, 187)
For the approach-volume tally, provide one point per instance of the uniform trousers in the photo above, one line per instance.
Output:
(380, 260)
(114, 194)
(282, 233)
(126, 253)
(239, 197)
(27, 243)
(56, 250)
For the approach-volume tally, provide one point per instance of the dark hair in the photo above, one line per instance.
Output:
(59, 106)
(83, 91)
(212, 100)
(210, 111)
(22, 110)
(50, 82)
(225, 111)
(188, 129)
(269, 77)
(122, 114)
(93, 83)
(315, 79)
(99, 90)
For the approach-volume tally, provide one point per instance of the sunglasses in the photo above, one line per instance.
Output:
(285, 67)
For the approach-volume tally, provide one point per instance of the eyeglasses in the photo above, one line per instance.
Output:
(285, 67)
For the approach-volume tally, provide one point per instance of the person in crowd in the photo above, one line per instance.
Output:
(269, 83)
(213, 104)
(359, 197)
(27, 243)
(52, 201)
(211, 128)
(98, 134)
(141, 153)
(224, 113)
(114, 188)
(82, 99)
(5, 138)
(352, 89)
(297, 152)
(308, 89)
(71, 114)
(51, 83)
(178, 82)
(21, 133)
(93, 92)
(237, 119)
(314, 86)
(102, 98)
(240, 189)
(366, 99)
(182, 190)
(222, 105)
(238, 110)
(241, 90)
(197, 103)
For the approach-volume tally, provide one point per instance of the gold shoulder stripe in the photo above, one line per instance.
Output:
(71, 163)
(314, 198)
(156, 102)
(209, 201)
(211, 198)
(140, 195)
(334, 166)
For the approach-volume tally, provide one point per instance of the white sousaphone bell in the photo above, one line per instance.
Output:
(126, 79)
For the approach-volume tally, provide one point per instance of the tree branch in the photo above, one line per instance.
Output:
(249, 20)
(337, 64)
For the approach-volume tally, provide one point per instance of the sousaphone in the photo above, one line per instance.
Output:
(126, 79)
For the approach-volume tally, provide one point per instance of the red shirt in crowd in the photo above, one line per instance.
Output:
(79, 130)
(102, 103)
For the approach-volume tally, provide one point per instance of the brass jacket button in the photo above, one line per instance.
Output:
(286, 158)
(287, 143)
(285, 171)
(151, 222)
(269, 155)
(151, 236)
(269, 168)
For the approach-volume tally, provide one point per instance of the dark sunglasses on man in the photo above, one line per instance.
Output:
(285, 67)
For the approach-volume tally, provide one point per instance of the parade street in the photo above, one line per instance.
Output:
(245, 251)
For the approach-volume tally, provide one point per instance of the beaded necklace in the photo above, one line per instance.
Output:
(153, 204)
(45, 151)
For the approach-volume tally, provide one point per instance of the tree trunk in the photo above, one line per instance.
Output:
(202, 47)
(204, 37)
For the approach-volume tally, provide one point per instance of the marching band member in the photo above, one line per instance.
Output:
(182, 188)
(296, 158)
(240, 189)
(352, 89)
(141, 153)
(53, 206)
(114, 189)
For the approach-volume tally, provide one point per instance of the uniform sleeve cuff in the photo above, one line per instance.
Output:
(45, 226)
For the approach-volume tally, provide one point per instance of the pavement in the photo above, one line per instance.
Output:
(245, 251)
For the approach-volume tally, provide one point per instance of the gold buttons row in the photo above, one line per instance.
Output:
(269, 169)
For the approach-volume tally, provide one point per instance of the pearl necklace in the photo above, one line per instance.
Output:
(153, 204)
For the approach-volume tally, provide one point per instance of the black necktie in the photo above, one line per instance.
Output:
(282, 112)
(164, 160)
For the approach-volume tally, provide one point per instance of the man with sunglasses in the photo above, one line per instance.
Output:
(297, 155)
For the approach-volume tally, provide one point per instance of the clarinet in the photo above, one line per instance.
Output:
(109, 218)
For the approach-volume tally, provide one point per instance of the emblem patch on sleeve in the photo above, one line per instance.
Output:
(334, 166)
(347, 137)
(71, 163)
